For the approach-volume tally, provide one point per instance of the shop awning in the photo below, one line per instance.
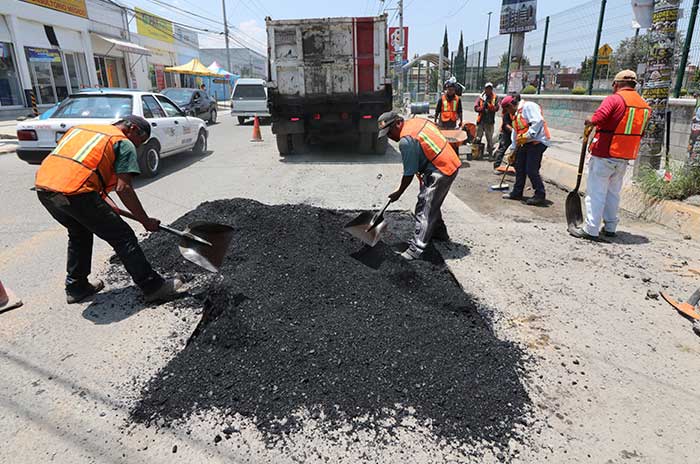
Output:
(124, 46)
(194, 67)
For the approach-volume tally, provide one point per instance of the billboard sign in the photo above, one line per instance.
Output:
(72, 7)
(155, 27)
(395, 43)
(43, 55)
(518, 16)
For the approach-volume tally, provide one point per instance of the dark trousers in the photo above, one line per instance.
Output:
(85, 215)
(527, 164)
(504, 141)
(447, 124)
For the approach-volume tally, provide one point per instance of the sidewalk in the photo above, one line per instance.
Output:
(8, 136)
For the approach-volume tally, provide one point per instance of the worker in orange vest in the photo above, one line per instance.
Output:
(427, 155)
(620, 122)
(73, 182)
(486, 107)
(448, 111)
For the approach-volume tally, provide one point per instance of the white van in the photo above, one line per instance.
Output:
(249, 98)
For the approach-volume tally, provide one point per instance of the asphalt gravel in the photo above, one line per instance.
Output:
(294, 322)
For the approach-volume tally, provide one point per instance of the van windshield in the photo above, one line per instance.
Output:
(249, 92)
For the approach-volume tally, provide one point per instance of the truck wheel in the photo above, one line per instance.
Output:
(282, 144)
(366, 144)
(380, 145)
(149, 161)
(241, 120)
(299, 145)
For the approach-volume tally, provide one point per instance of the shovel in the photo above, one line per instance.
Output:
(368, 227)
(574, 214)
(202, 243)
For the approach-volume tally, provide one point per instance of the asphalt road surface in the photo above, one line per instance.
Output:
(612, 371)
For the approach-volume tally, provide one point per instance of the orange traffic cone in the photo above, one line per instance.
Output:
(8, 300)
(257, 136)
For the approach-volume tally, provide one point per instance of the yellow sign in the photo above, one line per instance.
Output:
(604, 54)
(154, 27)
(72, 7)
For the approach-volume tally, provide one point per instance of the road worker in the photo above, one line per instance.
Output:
(426, 154)
(486, 107)
(620, 122)
(448, 111)
(529, 140)
(73, 182)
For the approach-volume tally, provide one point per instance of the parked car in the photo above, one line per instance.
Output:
(249, 99)
(193, 102)
(172, 131)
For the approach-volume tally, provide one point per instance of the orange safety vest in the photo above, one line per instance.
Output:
(521, 125)
(480, 105)
(433, 143)
(83, 161)
(449, 111)
(628, 134)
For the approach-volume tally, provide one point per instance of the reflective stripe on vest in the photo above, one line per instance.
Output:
(83, 161)
(447, 113)
(521, 125)
(433, 144)
(628, 134)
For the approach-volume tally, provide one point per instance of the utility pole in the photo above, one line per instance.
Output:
(486, 48)
(402, 41)
(228, 50)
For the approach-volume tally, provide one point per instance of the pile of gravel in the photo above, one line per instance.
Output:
(294, 322)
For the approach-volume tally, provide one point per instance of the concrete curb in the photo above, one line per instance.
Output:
(8, 148)
(683, 218)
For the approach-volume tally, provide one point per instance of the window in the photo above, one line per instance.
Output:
(77, 71)
(151, 108)
(179, 96)
(95, 106)
(170, 109)
(249, 92)
(170, 79)
(48, 75)
(10, 89)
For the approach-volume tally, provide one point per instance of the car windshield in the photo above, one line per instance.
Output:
(94, 106)
(179, 96)
(249, 92)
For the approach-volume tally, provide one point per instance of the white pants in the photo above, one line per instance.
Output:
(605, 176)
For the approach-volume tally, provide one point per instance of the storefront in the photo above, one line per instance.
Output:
(11, 94)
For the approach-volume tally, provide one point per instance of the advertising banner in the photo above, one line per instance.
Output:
(395, 43)
(72, 7)
(518, 16)
(153, 26)
(43, 55)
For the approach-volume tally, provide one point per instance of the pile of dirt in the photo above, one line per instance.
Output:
(293, 322)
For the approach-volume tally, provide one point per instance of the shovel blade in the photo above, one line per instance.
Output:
(686, 309)
(572, 207)
(361, 228)
(208, 257)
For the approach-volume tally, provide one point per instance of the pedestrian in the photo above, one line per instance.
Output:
(73, 182)
(448, 110)
(486, 107)
(504, 138)
(620, 122)
(529, 140)
(426, 154)
(203, 88)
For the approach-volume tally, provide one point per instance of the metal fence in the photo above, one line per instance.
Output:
(570, 48)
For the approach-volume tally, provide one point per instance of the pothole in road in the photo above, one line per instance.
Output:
(295, 323)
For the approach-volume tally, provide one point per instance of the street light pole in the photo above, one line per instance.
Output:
(228, 51)
(486, 49)
(400, 54)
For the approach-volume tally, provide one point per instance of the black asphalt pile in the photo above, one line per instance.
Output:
(294, 322)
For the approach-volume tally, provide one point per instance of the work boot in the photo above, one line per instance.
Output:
(441, 235)
(408, 256)
(167, 290)
(608, 233)
(536, 201)
(76, 295)
(510, 196)
(580, 233)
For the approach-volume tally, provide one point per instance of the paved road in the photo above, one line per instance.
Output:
(613, 376)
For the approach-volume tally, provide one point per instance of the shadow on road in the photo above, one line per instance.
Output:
(339, 154)
(114, 306)
(171, 165)
(626, 238)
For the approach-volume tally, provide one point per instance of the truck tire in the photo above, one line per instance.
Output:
(299, 145)
(282, 144)
(380, 144)
(366, 144)
(241, 120)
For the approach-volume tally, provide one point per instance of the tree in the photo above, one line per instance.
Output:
(459, 70)
(445, 46)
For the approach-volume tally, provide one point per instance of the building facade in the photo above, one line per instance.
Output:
(244, 61)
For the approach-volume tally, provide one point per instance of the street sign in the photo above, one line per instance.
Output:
(518, 16)
(395, 43)
(604, 54)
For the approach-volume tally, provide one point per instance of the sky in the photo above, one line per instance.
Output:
(426, 19)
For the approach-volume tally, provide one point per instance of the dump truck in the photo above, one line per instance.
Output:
(327, 80)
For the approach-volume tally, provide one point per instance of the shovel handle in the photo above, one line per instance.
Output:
(170, 230)
(375, 219)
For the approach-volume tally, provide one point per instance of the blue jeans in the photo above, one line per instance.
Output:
(85, 215)
(527, 164)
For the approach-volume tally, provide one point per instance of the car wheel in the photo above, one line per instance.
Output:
(200, 147)
(283, 144)
(212, 117)
(149, 161)
(241, 120)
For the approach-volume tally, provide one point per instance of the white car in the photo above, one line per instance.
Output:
(249, 99)
(171, 130)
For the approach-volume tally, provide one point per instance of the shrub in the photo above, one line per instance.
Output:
(685, 182)
(530, 89)
(684, 92)
(578, 91)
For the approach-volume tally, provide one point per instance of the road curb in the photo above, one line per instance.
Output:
(678, 216)
(6, 148)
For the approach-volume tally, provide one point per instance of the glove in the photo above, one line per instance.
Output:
(521, 140)
(510, 157)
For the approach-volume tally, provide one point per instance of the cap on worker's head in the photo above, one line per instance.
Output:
(488, 84)
(507, 100)
(626, 75)
(137, 121)
(385, 121)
